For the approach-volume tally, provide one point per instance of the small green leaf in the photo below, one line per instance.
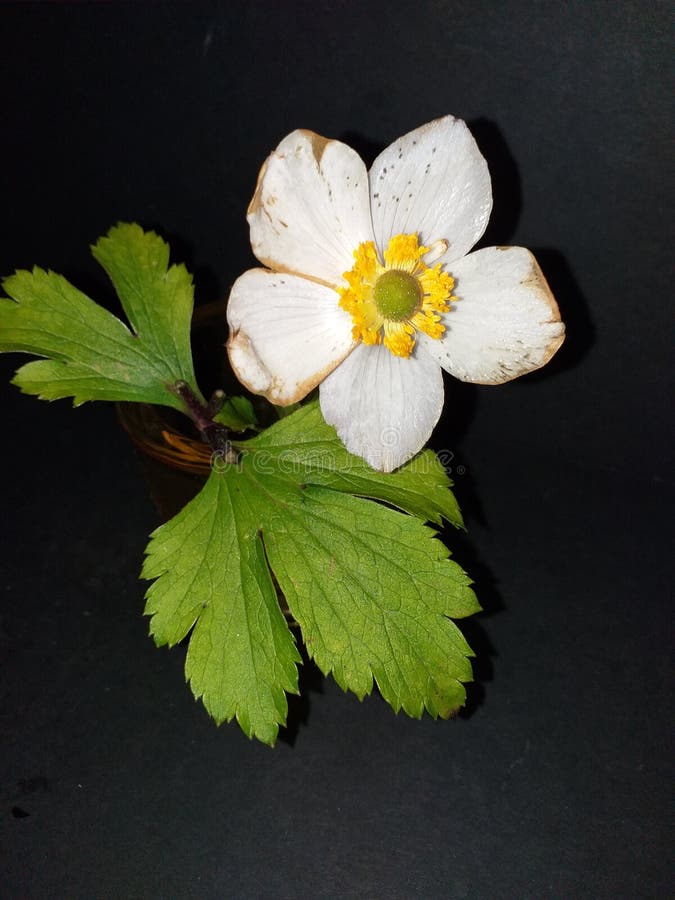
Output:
(371, 587)
(90, 354)
(237, 414)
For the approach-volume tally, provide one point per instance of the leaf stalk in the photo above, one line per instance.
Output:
(202, 415)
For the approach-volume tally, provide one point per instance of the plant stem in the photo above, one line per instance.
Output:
(212, 433)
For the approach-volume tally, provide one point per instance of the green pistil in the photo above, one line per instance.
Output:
(397, 295)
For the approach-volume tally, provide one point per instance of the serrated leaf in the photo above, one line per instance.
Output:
(372, 590)
(305, 446)
(212, 577)
(90, 354)
(371, 587)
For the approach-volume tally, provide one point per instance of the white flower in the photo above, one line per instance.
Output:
(369, 290)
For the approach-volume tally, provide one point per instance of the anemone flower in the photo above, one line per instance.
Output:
(370, 289)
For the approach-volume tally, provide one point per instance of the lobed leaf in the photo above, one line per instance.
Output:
(212, 577)
(90, 354)
(372, 588)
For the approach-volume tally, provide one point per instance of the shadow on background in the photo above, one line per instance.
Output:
(507, 201)
(580, 332)
(367, 149)
(463, 551)
(310, 681)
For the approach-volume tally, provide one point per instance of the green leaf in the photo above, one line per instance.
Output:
(305, 446)
(237, 414)
(211, 574)
(90, 354)
(372, 588)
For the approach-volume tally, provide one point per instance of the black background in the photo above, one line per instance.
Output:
(555, 782)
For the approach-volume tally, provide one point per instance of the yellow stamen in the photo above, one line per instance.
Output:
(378, 317)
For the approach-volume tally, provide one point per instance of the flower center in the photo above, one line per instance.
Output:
(397, 294)
(390, 302)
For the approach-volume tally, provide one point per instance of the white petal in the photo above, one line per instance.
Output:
(311, 207)
(286, 334)
(433, 181)
(505, 322)
(383, 407)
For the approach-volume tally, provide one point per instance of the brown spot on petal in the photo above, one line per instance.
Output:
(536, 280)
(256, 199)
(318, 143)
